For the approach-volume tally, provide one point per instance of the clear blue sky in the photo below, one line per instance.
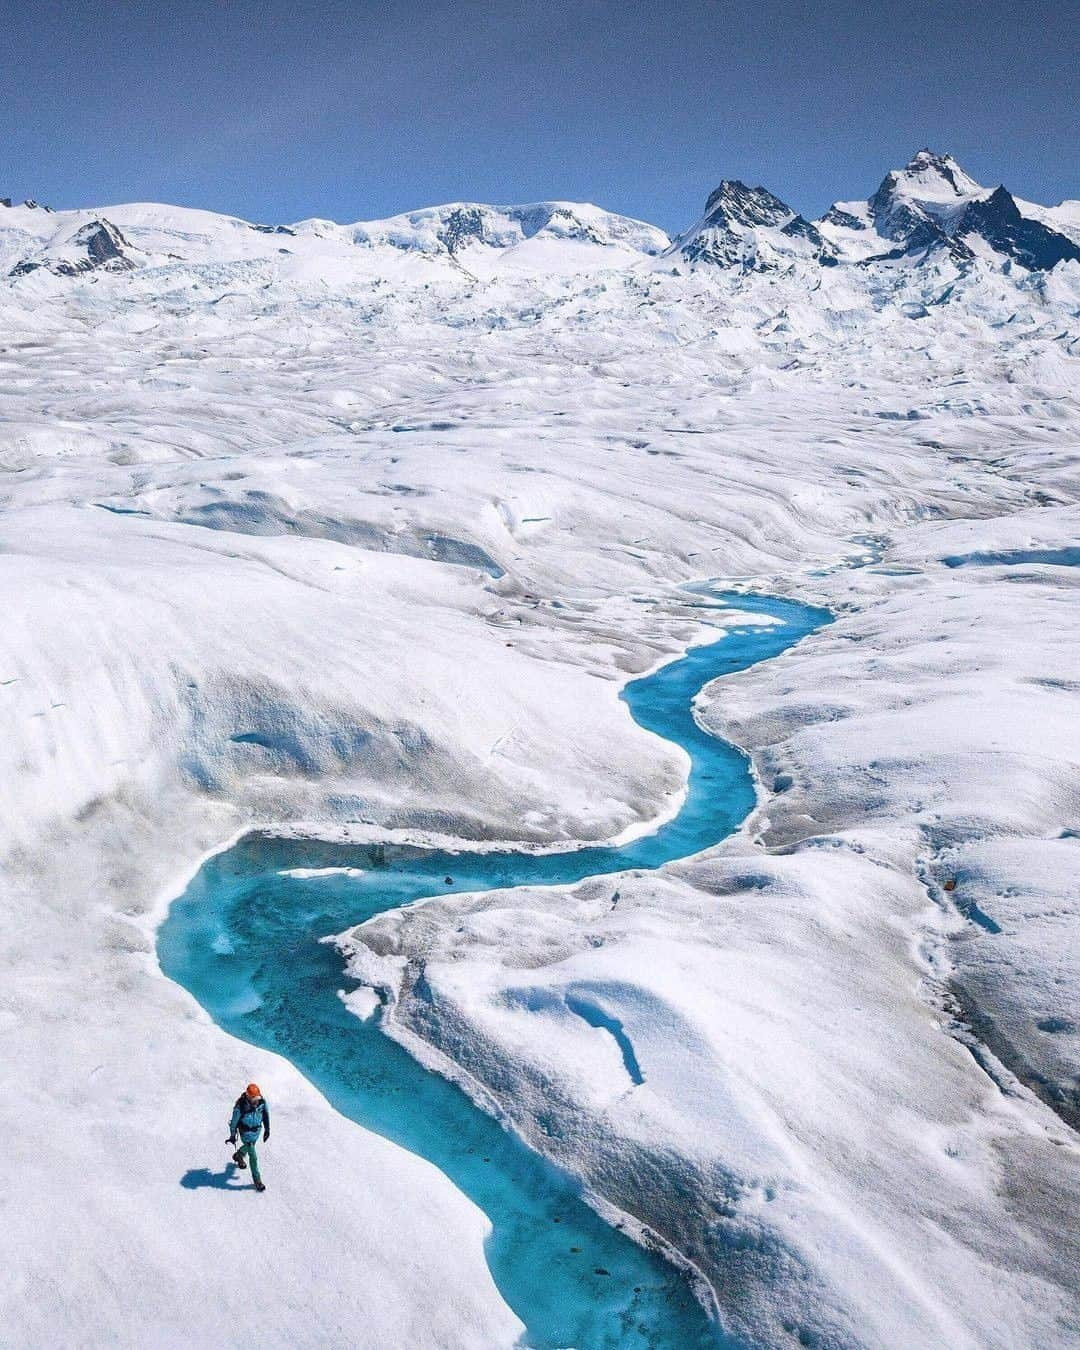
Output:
(276, 111)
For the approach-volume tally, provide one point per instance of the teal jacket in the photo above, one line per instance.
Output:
(249, 1118)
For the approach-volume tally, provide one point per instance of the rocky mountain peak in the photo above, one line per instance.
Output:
(95, 244)
(751, 228)
(734, 203)
(928, 175)
(998, 221)
(917, 206)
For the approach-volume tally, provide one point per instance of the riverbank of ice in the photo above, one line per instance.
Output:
(811, 1117)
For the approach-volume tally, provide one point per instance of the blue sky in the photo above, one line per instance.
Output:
(276, 111)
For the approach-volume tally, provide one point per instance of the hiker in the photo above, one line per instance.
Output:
(250, 1115)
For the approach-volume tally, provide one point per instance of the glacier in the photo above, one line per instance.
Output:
(353, 534)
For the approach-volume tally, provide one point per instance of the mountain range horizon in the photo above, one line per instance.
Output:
(929, 210)
(922, 155)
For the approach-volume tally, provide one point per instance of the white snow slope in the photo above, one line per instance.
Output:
(417, 496)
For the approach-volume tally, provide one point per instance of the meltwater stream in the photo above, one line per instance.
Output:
(244, 939)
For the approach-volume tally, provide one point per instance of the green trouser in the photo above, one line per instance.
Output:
(248, 1151)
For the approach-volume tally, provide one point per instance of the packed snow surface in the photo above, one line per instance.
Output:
(358, 531)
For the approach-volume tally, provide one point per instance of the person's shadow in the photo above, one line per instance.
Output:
(227, 1180)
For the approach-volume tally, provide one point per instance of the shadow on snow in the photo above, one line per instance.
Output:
(198, 1178)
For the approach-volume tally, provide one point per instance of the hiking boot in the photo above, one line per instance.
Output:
(239, 1159)
(260, 1186)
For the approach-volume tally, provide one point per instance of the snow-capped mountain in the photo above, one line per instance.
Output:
(750, 229)
(931, 207)
(997, 221)
(544, 236)
(915, 205)
(929, 214)
(460, 227)
(76, 248)
(929, 211)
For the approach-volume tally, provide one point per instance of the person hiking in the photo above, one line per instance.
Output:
(250, 1115)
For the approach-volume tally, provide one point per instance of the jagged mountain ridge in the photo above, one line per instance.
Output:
(932, 207)
(930, 211)
(749, 228)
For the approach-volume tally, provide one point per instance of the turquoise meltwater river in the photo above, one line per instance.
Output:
(244, 939)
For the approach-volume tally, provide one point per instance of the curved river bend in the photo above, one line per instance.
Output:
(244, 940)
